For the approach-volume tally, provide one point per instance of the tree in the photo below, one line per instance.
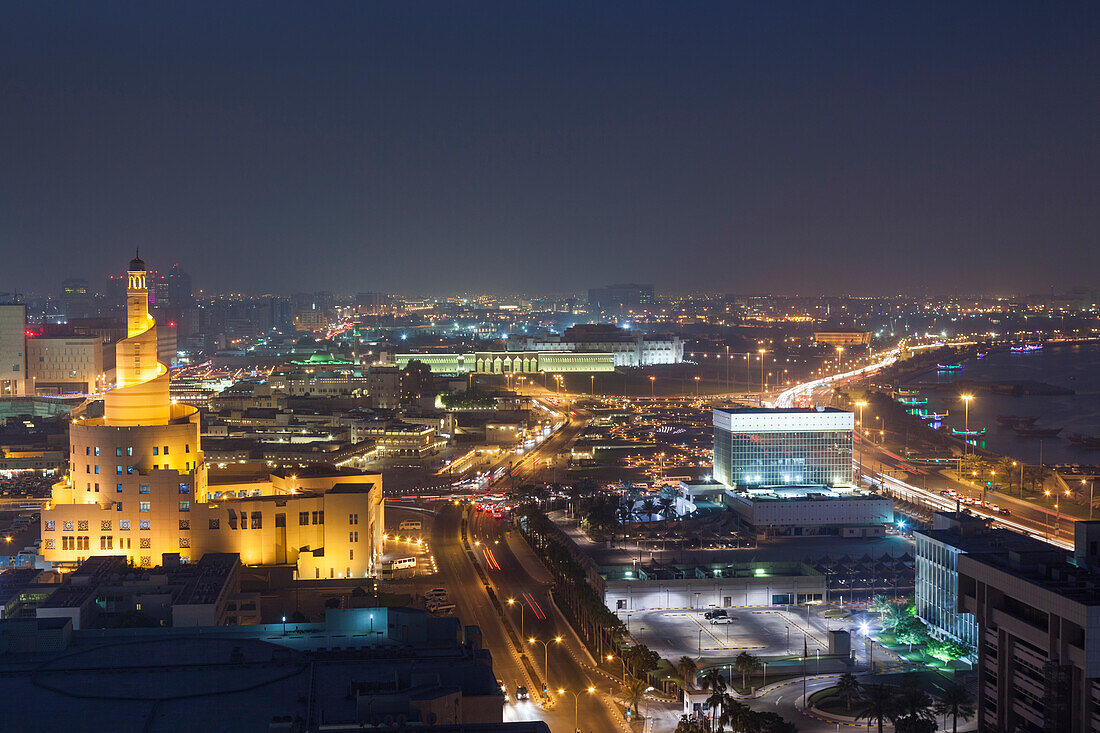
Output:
(774, 723)
(667, 504)
(880, 604)
(893, 616)
(880, 705)
(689, 724)
(648, 509)
(687, 668)
(746, 664)
(640, 659)
(913, 724)
(848, 687)
(911, 631)
(713, 680)
(914, 700)
(737, 715)
(634, 690)
(956, 702)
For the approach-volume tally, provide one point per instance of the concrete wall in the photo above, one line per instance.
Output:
(633, 596)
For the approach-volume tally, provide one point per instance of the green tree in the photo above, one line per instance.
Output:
(738, 716)
(880, 604)
(911, 631)
(893, 616)
(687, 668)
(746, 664)
(957, 702)
(634, 690)
(880, 705)
(713, 680)
(640, 659)
(848, 687)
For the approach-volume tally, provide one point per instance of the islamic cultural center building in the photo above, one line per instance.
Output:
(138, 485)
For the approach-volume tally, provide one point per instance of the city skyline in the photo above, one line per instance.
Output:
(550, 148)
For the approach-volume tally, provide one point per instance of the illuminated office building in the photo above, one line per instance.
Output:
(138, 484)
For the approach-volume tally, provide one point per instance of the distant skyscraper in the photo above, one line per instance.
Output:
(76, 298)
(620, 298)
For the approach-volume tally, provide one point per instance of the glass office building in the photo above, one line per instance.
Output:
(783, 447)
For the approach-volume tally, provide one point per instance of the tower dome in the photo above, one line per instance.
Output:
(137, 264)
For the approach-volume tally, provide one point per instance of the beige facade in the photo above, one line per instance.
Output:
(13, 353)
(138, 486)
(66, 365)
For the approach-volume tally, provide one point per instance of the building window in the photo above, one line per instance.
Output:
(96, 469)
(185, 541)
(351, 556)
(49, 524)
(130, 470)
(143, 524)
(118, 487)
(118, 452)
(319, 517)
(97, 487)
(185, 506)
(185, 524)
(146, 561)
(82, 525)
(165, 450)
(97, 450)
(87, 450)
(142, 488)
(257, 520)
(215, 524)
(51, 545)
(185, 488)
(83, 543)
(130, 450)
(145, 506)
(124, 525)
(106, 542)
(186, 447)
(118, 470)
(105, 525)
(303, 518)
(155, 450)
(353, 519)
(118, 506)
(87, 468)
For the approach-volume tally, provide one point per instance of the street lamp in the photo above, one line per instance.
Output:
(611, 657)
(512, 602)
(762, 351)
(966, 421)
(652, 379)
(696, 386)
(1092, 485)
(545, 659)
(576, 702)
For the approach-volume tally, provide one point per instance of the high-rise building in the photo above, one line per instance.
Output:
(76, 298)
(138, 484)
(1038, 613)
(13, 350)
(621, 298)
(783, 447)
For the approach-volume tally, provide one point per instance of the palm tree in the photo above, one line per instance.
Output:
(718, 700)
(738, 716)
(914, 700)
(955, 701)
(713, 680)
(648, 509)
(849, 688)
(666, 503)
(687, 668)
(881, 705)
(893, 616)
(746, 664)
(879, 604)
(634, 689)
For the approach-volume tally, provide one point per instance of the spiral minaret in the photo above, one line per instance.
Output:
(140, 396)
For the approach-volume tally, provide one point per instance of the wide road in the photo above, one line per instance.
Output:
(497, 547)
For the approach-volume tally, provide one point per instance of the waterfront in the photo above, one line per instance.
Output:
(1076, 367)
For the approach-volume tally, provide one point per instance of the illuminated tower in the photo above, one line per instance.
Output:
(141, 393)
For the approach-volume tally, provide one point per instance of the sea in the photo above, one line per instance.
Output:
(1074, 366)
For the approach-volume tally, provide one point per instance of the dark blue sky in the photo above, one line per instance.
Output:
(445, 147)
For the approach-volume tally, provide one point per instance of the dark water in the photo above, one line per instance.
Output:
(1076, 367)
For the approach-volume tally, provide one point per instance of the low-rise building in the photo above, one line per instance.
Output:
(67, 364)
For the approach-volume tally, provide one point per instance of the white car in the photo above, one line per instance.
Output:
(721, 620)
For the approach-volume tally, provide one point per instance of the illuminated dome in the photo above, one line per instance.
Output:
(137, 264)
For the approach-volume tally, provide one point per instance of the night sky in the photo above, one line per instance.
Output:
(421, 147)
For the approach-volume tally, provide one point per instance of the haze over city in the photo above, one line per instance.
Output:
(550, 147)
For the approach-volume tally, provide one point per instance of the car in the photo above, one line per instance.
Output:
(521, 693)
(1004, 512)
(715, 613)
(721, 620)
(436, 593)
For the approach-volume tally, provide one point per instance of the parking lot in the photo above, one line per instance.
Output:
(762, 631)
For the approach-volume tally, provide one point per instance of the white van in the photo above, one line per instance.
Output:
(409, 527)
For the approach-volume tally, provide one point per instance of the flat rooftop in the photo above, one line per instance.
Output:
(804, 493)
(777, 410)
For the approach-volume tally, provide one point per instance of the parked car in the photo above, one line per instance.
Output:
(722, 620)
(715, 613)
